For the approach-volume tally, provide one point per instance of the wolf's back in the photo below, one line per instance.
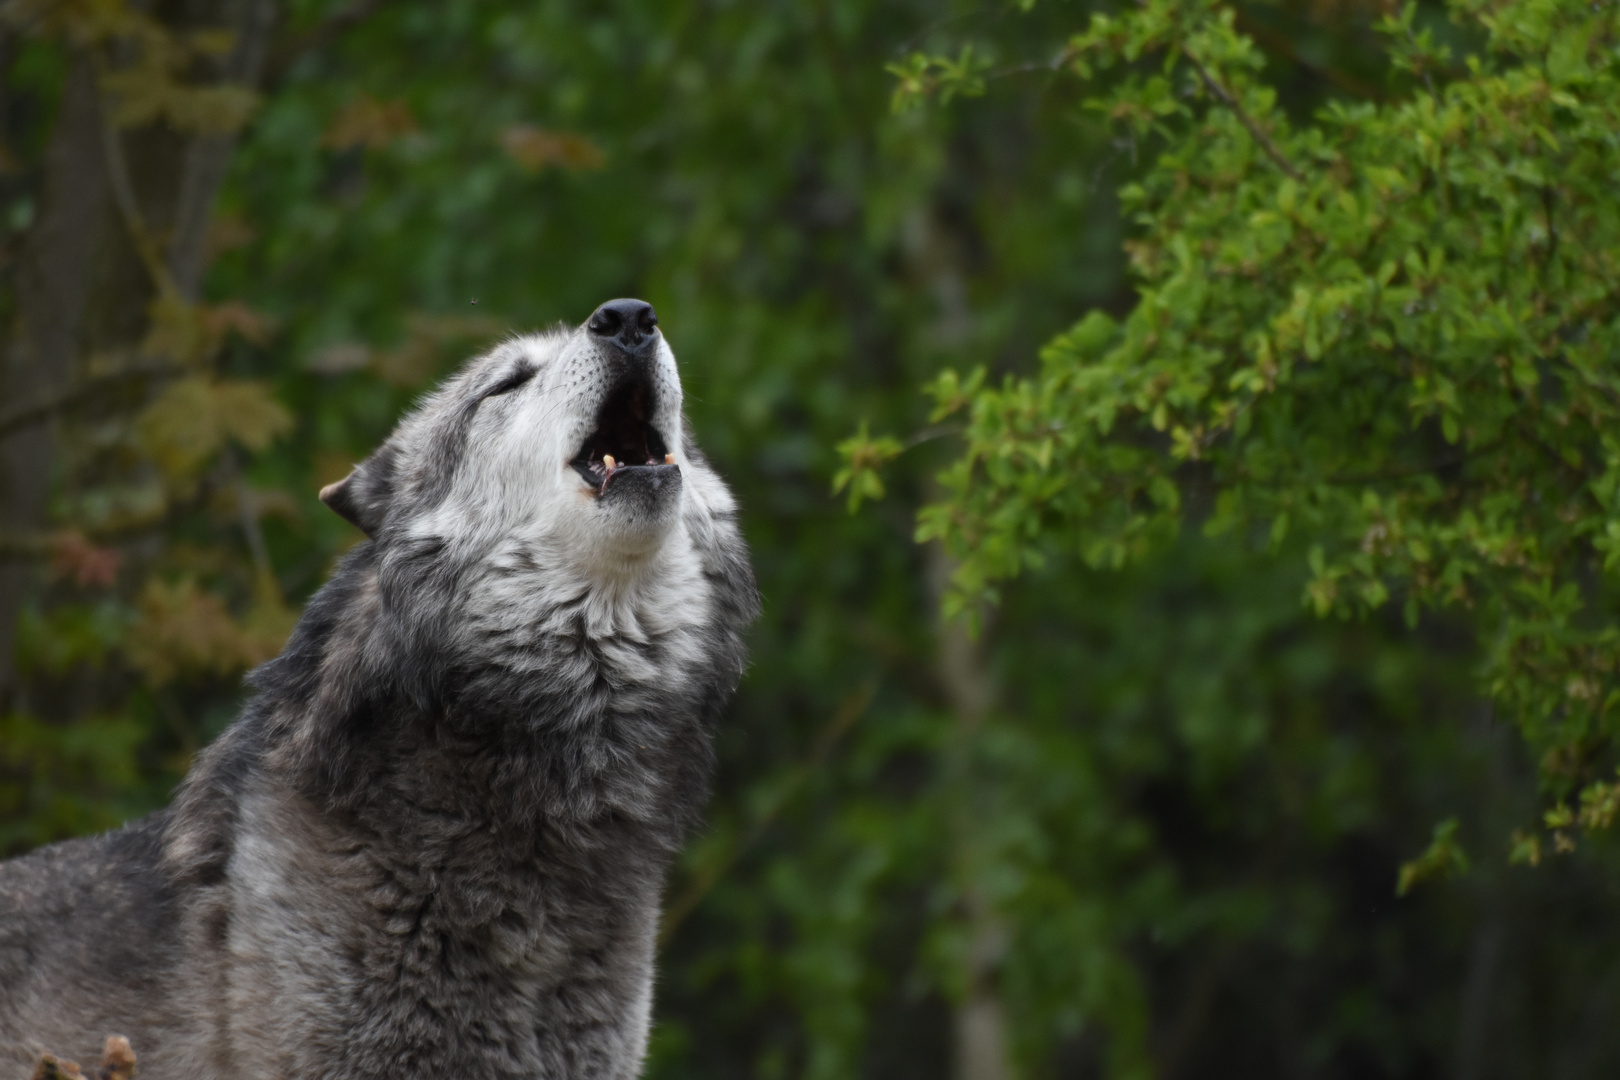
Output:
(88, 944)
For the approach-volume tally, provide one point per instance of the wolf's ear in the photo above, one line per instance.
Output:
(361, 498)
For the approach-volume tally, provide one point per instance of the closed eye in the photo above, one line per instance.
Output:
(511, 382)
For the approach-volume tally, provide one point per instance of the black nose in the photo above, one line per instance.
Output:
(628, 323)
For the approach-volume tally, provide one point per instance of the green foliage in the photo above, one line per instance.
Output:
(866, 456)
(920, 76)
(1444, 856)
(1391, 330)
(82, 777)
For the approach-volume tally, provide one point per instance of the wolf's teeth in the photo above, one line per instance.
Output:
(669, 459)
(607, 459)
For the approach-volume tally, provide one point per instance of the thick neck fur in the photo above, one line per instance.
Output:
(516, 695)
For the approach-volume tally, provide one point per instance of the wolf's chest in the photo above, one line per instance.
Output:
(459, 950)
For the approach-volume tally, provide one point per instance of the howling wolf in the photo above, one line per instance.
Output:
(433, 843)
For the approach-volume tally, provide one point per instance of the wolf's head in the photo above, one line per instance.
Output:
(571, 439)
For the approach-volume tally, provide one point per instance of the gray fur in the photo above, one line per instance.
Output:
(433, 843)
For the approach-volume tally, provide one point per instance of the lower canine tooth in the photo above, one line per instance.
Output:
(607, 459)
(669, 459)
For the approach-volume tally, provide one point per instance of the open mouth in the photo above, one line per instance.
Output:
(624, 438)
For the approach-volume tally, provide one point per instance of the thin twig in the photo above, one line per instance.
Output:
(322, 34)
(1281, 44)
(1428, 80)
(42, 409)
(1062, 57)
(910, 43)
(124, 196)
(248, 513)
(934, 431)
(1461, 458)
(1225, 97)
(45, 407)
(37, 545)
(15, 547)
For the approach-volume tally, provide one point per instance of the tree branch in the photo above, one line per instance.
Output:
(1282, 45)
(48, 405)
(207, 155)
(123, 191)
(20, 546)
(1224, 96)
(42, 409)
(317, 37)
(17, 547)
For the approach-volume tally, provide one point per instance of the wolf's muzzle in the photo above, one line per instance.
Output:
(625, 439)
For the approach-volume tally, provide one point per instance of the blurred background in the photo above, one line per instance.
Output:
(1148, 823)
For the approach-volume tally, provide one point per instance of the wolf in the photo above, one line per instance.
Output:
(433, 842)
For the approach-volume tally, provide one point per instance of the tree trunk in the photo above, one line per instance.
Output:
(979, 1042)
(82, 286)
(53, 290)
(979, 1036)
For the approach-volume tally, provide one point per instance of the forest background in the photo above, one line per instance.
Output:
(1152, 816)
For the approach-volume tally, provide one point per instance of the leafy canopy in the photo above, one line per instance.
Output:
(1393, 328)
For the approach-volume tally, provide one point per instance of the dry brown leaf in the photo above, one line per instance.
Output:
(370, 123)
(535, 148)
(226, 232)
(79, 23)
(148, 92)
(73, 556)
(191, 334)
(252, 326)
